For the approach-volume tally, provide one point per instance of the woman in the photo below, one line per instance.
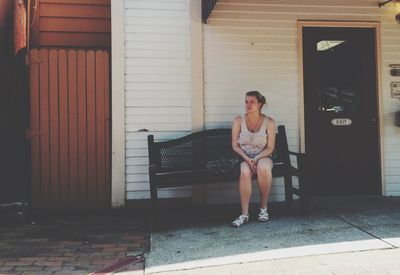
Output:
(253, 138)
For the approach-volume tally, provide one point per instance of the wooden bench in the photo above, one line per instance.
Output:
(183, 161)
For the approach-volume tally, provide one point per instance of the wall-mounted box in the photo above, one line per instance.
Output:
(395, 72)
(395, 69)
(395, 89)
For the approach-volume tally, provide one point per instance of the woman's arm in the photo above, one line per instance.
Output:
(271, 134)
(235, 145)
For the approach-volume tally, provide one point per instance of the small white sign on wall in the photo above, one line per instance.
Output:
(395, 88)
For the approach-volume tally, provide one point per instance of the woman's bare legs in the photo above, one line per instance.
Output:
(264, 179)
(245, 187)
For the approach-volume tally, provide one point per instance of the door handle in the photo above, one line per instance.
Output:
(335, 109)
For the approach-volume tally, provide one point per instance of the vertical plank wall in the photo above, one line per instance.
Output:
(70, 129)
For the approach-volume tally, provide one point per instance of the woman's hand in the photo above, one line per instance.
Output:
(253, 164)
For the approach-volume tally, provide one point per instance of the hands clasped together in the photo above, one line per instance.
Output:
(253, 164)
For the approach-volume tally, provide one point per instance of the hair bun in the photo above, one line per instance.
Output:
(263, 99)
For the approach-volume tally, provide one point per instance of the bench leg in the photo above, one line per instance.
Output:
(154, 207)
(303, 196)
(288, 190)
(303, 181)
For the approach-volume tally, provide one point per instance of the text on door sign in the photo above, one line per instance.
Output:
(341, 121)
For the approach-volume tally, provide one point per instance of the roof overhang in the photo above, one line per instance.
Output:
(207, 7)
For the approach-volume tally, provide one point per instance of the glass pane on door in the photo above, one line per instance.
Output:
(338, 76)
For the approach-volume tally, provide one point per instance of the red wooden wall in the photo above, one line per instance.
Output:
(71, 23)
(70, 129)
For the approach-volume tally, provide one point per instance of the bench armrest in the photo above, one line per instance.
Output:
(300, 158)
(296, 153)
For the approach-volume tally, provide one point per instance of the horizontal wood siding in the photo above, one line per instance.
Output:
(248, 45)
(158, 84)
(73, 23)
(252, 45)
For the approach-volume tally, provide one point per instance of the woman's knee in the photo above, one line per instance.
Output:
(264, 166)
(245, 170)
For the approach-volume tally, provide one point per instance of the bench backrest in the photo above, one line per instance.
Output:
(281, 152)
(196, 149)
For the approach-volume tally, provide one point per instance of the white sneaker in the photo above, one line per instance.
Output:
(242, 219)
(263, 215)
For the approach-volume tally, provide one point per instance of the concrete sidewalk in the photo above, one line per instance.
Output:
(373, 262)
(334, 225)
(340, 236)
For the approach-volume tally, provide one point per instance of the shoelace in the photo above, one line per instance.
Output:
(240, 220)
(263, 214)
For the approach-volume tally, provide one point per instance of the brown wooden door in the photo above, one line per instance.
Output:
(341, 127)
(70, 129)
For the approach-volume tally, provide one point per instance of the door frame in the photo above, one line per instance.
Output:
(343, 24)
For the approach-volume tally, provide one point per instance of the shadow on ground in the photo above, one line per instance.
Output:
(70, 244)
(195, 237)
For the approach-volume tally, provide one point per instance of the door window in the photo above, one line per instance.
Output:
(338, 89)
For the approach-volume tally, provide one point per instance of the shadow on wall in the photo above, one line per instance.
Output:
(14, 116)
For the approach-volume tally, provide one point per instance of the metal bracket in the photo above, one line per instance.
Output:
(380, 4)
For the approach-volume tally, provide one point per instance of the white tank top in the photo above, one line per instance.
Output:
(252, 143)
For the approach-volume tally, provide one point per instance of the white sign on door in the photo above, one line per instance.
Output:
(341, 122)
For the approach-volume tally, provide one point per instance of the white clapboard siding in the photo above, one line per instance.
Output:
(157, 83)
(248, 45)
(252, 45)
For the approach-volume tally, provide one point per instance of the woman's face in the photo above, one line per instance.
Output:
(252, 105)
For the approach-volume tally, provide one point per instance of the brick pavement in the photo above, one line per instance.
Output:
(74, 245)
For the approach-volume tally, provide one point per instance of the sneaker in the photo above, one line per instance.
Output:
(263, 215)
(242, 219)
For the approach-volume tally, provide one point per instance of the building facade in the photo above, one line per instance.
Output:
(181, 75)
